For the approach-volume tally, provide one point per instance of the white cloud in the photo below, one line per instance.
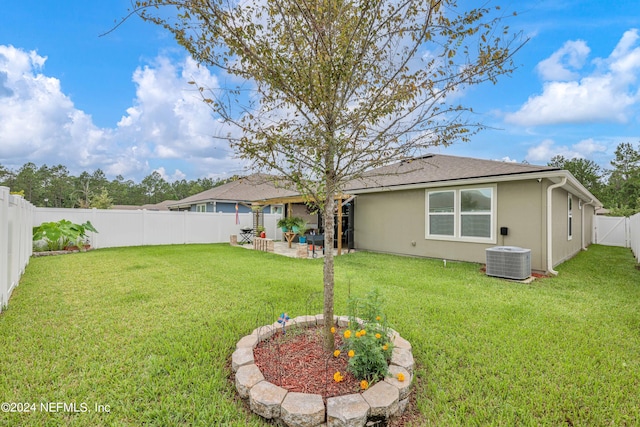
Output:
(547, 149)
(167, 121)
(609, 94)
(561, 65)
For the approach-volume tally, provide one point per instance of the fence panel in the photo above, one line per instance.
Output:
(118, 228)
(634, 231)
(16, 218)
(612, 231)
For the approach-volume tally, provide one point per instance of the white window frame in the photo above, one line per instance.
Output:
(202, 207)
(457, 215)
(569, 216)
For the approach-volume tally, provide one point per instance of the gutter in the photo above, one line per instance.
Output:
(584, 248)
(549, 225)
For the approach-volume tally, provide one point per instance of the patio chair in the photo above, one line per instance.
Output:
(315, 241)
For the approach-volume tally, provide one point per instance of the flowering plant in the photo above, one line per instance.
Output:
(369, 350)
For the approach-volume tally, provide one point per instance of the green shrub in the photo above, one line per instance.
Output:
(57, 235)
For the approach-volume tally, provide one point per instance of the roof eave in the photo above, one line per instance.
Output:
(554, 175)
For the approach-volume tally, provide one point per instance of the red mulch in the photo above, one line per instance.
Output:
(297, 362)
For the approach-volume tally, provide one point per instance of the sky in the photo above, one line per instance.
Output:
(121, 102)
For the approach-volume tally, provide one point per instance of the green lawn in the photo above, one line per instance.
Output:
(148, 332)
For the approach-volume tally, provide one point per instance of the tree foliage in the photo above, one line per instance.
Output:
(54, 186)
(339, 86)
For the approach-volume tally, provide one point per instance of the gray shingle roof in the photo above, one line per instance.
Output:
(249, 188)
(440, 168)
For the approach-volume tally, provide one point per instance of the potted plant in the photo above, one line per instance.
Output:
(302, 229)
(283, 224)
(261, 232)
(296, 222)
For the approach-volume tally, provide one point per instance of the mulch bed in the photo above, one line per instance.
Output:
(297, 362)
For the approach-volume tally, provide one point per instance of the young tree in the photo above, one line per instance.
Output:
(624, 181)
(586, 171)
(339, 86)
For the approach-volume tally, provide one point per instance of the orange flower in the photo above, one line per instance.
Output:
(336, 353)
(400, 376)
(337, 377)
(364, 384)
(333, 330)
(347, 334)
(378, 336)
(358, 334)
(378, 318)
(351, 353)
(363, 332)
(385, 347)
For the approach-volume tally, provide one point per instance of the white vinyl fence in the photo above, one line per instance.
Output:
(16, 220)
(634, 230)
(141, 227)
(619, 231)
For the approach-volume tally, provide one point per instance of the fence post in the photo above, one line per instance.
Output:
(4, 247)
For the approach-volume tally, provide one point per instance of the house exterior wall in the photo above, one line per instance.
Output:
(395, 222)
(582, 226)
(221, 207)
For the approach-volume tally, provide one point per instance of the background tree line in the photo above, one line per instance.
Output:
(617, 188)
(54, 186)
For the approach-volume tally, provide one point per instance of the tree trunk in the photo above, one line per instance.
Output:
(328, 269)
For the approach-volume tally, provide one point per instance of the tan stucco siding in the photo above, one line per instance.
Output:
(563, 246)
(522, 208)
(395, 222)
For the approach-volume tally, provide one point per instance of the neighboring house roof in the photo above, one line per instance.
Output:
(251, 188)
(162, 206)
(436, 170)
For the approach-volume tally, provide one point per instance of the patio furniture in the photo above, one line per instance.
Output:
(315, 241)
(246, 235)
(289, 235)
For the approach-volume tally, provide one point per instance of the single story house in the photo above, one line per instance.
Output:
(245, 192)
(454, 208)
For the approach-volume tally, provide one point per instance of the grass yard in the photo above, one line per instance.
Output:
(147, 333)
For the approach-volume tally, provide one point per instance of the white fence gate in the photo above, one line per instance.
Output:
(619, 231)
(16, 220)
(613, 231)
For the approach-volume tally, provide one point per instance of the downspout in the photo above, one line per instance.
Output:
(584, 248)
(549, 225)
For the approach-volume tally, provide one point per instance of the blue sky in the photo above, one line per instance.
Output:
(121, 102)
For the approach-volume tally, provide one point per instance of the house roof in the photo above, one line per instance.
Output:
(162, 206)
(437, 168)
(251, 188)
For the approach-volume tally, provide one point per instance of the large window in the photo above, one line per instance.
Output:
(461, 214)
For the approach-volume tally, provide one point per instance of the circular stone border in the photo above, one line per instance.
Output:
(383, 400)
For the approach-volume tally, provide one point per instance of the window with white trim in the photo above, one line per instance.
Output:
(570, 217)
(201, 207)
(466, 214)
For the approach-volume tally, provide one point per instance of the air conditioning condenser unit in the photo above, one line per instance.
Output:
(509, 262)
